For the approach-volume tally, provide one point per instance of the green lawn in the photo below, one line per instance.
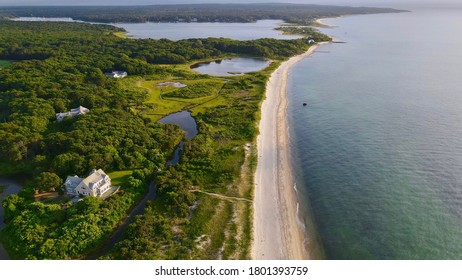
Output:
(119, 178)
(5, 63)
(158, 105)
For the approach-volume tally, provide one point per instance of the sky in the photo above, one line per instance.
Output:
(374, 3)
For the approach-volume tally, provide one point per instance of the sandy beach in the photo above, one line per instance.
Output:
(277, 235)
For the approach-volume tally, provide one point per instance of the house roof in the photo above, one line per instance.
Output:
(116, 74)
(95, 176)
(73, 112)
(80, 110)
(73, 180)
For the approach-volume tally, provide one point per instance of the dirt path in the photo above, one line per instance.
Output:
(224, 196)
(119, 232)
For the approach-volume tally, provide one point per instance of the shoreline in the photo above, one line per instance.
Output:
(277, 230)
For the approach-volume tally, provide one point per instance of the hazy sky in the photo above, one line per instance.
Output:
(377, 3)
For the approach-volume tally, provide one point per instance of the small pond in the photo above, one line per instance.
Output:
(184, 120)
(187, 123)
(231, 67)
(172, 84)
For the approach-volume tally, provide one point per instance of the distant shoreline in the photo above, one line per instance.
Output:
(277, 234)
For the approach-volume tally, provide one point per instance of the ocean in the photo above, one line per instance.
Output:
(377, 151)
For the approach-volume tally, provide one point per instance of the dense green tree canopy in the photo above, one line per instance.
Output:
(60, 66)
(295, 13)
(47, 181)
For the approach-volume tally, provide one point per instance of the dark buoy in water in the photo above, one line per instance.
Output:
(304, 104)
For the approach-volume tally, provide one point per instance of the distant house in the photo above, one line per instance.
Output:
(72, 113)
(117, 74)
(96, 184)
(310, 41)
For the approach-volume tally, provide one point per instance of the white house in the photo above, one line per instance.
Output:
(117, 74)
(72, 113)
(95, 184)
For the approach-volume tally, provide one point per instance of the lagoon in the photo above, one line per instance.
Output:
(187, 30)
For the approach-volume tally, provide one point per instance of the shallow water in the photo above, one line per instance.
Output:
(188, 30)
(231, 67)
(184, 120)
(378, 149)
(183, 30)
(187, 123)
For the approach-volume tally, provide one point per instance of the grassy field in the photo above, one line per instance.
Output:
(163, 100)
(121, 34)
(5, 63)
(119, 178)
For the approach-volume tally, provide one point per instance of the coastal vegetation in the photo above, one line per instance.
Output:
(203, 204)
(291, 13)
(305, 31)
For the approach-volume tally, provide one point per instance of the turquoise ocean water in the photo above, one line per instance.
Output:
(378, 150)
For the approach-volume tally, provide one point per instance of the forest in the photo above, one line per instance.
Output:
(291, 13)
(53, 67)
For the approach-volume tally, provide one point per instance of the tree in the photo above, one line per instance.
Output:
(13, 205)
(47, 181)
(88, 205)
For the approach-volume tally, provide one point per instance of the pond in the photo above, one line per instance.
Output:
(172, 84)
(184, 120)
(231, 67)
(187, 123)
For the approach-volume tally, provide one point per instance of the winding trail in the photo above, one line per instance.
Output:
(119, 233)
(224, 196)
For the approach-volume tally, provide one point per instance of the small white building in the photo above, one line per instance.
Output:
(72, 113)
(96, 184)
(117, 74)
(311, 41)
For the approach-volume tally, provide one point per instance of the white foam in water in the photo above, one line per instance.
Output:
(299, 220)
